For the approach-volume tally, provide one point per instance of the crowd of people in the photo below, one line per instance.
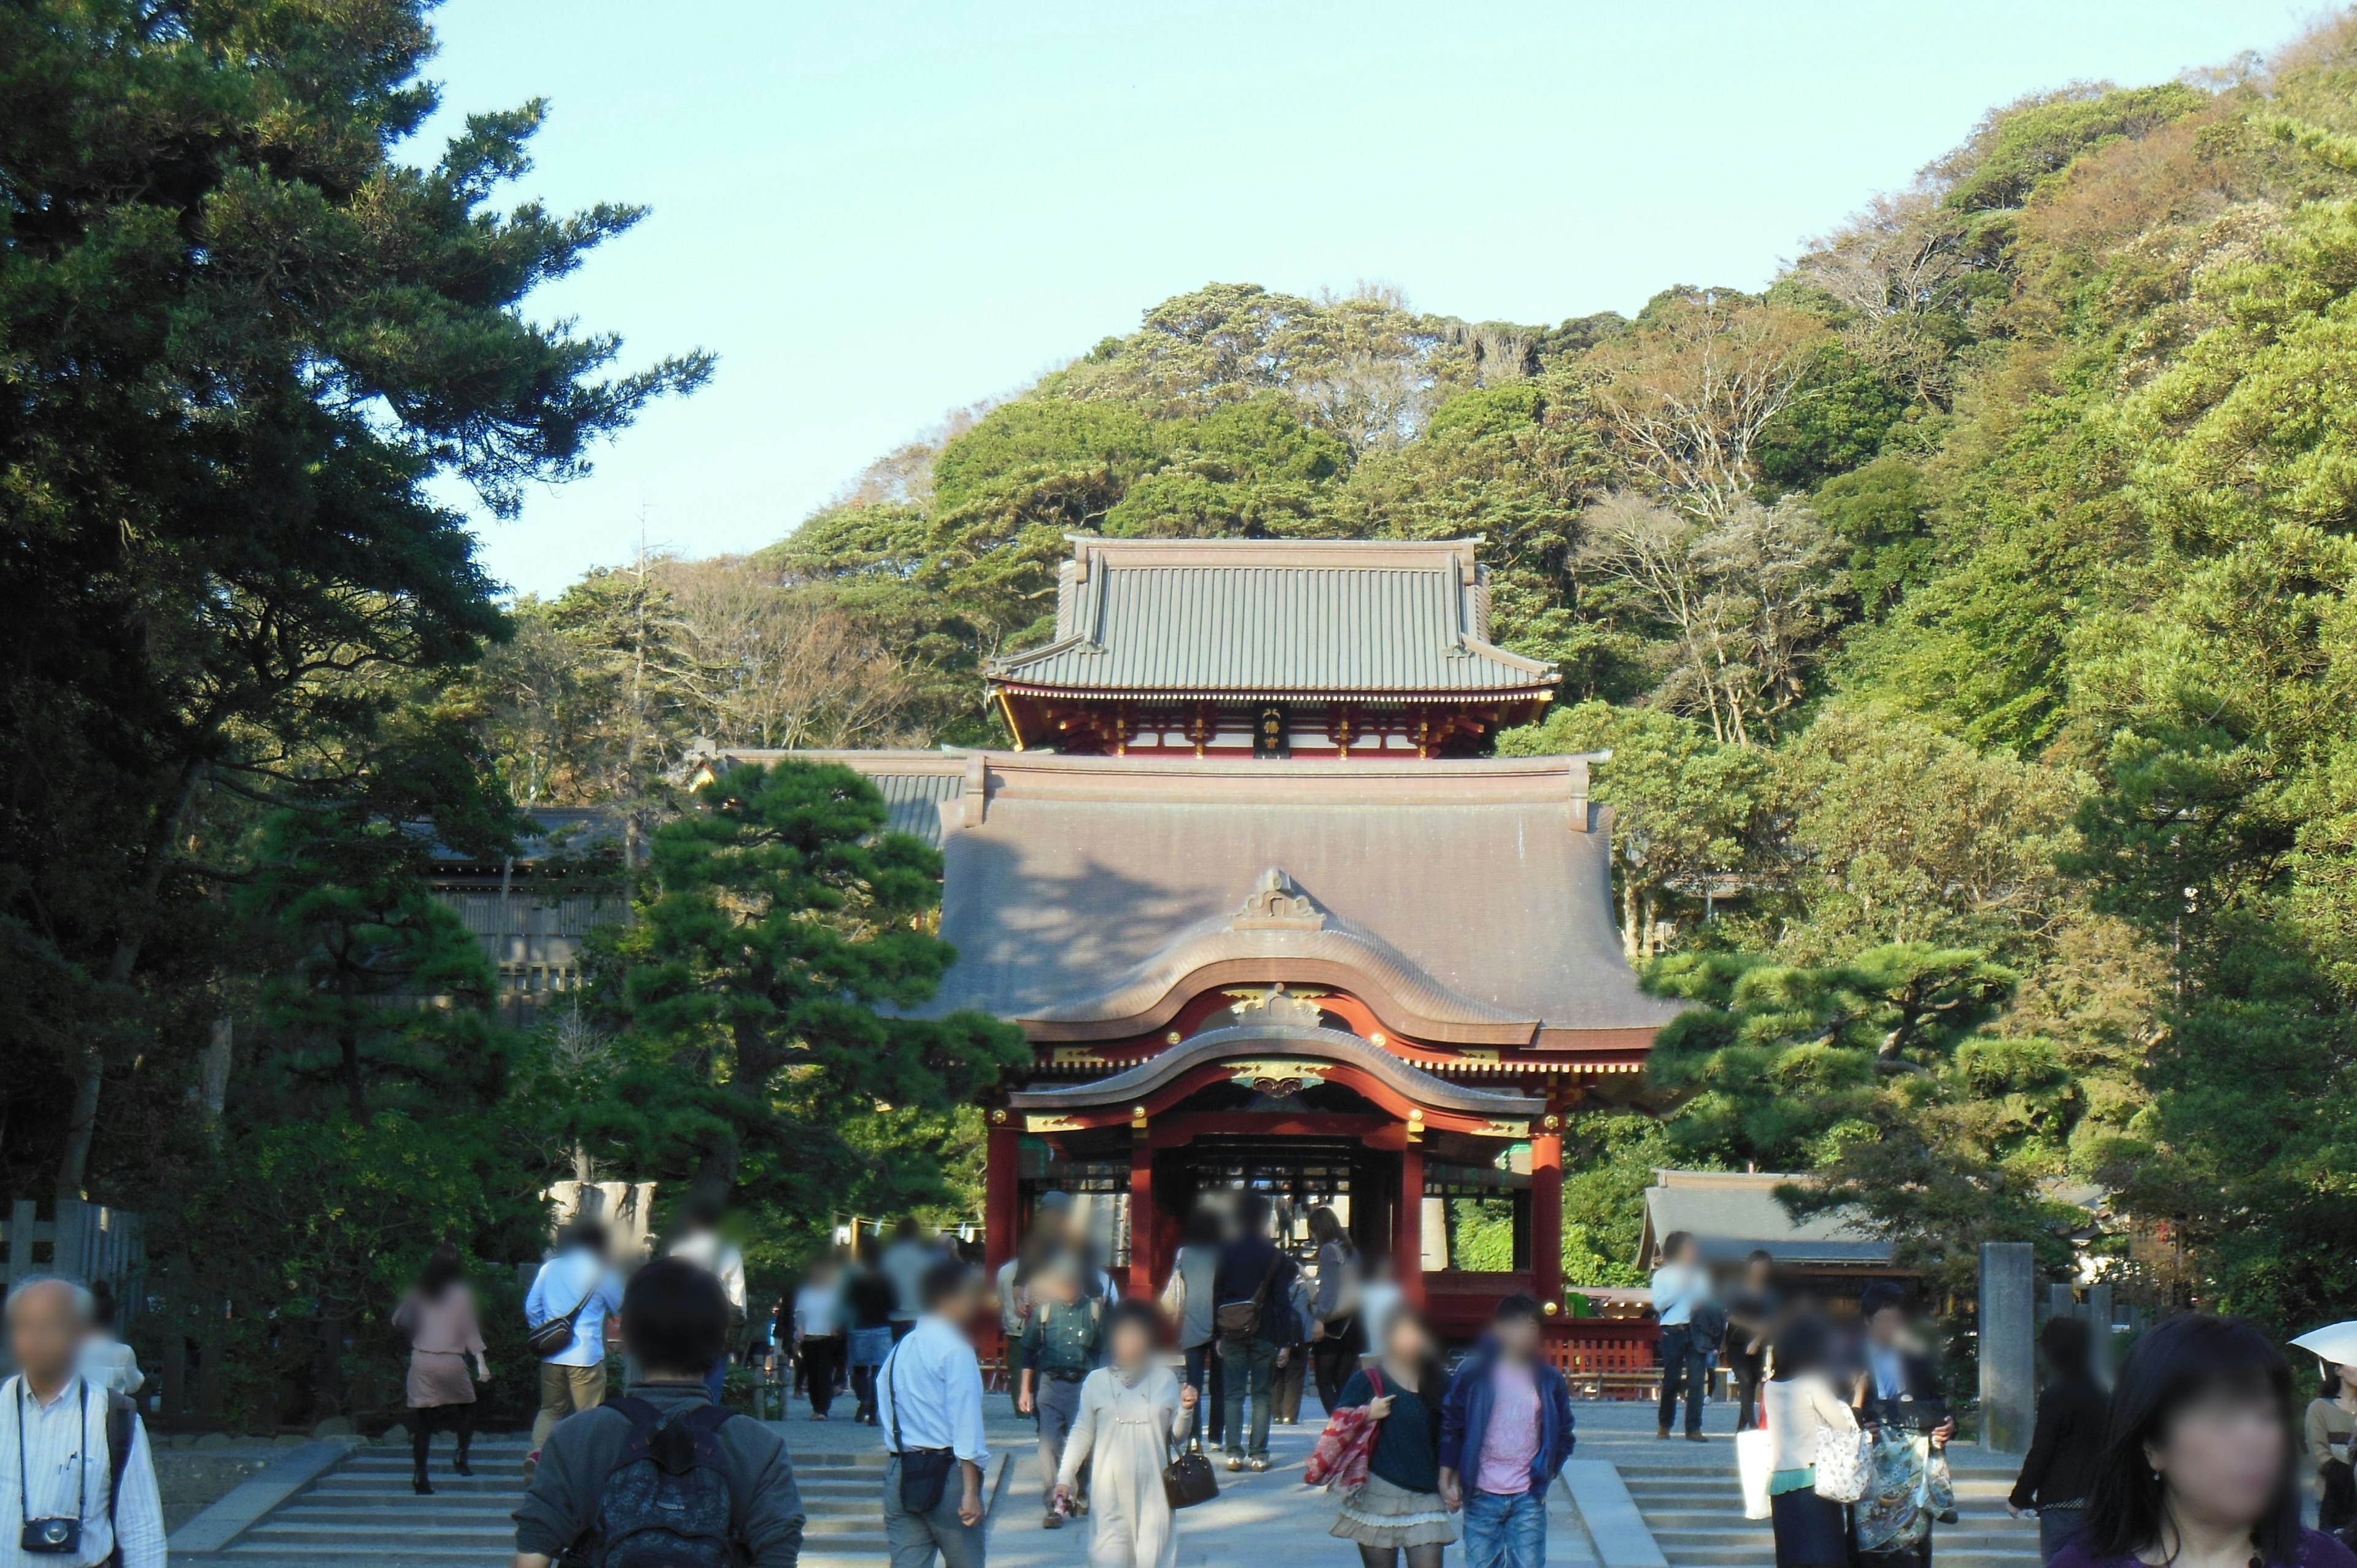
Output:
(2192, 1458)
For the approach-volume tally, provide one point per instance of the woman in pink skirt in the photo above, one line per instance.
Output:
(439, 1315)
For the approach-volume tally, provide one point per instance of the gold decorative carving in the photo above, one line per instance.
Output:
(1506, 1130)
(1050, 1124)
(1280, 1078)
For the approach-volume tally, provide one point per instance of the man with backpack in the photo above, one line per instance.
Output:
(1253, 1319)
(930, 1399)
(566, 1311)
(662, 1478)
(1061, 1345)
(72, 1514)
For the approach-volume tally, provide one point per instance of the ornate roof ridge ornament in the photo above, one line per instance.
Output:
(1276, 904)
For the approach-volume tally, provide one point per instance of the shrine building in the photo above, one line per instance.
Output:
(1269, 917)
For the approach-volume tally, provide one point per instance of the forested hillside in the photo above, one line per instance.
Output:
(1969, 614)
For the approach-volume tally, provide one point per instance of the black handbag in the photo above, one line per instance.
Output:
(1188, 1479)
(924, 1471)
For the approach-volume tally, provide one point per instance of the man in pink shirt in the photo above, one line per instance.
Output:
(1507, 1426)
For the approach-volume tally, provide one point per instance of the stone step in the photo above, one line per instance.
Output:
(415, 1534)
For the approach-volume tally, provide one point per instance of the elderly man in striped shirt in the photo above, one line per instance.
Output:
(64, 1495)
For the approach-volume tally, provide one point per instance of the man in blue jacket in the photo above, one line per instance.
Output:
(1505, 1433)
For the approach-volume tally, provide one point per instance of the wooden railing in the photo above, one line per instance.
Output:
(1606, 1357)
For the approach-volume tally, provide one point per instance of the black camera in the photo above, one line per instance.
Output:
(50, 1537)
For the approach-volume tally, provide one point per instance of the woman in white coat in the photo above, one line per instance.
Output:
(1132, 1412)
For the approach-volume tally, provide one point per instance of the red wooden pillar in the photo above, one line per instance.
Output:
(1407, 1241)
(1001, 1207)
(1144, 1231)
(1546, 1219)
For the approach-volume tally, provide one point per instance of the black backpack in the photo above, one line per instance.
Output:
(666, 1503)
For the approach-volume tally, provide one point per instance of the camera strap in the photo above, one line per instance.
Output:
(81, 1465)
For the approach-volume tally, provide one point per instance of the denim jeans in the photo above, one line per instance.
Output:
(1685, 1363)
(1505, 1532)
(1245, 1365)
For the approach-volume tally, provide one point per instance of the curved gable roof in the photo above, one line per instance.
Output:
(1475, 895)
(1290, 1040)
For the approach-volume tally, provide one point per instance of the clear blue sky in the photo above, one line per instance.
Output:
(875, 213)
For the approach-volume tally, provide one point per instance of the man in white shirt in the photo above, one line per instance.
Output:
(1680, 1285)
(929, 1402)
(579, 1281)
(54, 1435)
(700, 1242)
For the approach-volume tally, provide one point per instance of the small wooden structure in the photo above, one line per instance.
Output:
(80, 1241)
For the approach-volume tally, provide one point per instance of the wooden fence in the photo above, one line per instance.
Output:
(86, 1241)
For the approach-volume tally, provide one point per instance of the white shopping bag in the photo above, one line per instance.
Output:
(1754, 1451)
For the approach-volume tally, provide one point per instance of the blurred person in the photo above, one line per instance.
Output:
(868, 1299)
(577, 1284)
(75, 1453)
(903, 1265)
(1336, 1336)
(439, 1315)
(1016, 1282)
(106, 1360)
(2201, 1464)
(2066, 1441)
(1798, 1405)
(819, 1339)
(1505, 1435)
(1378, 1297)
(2330, 1420)
(701, 1244)
(1899, 1398)
(1254, 1290)
(1187, 1302)
(629, 1471)
(1291, 1374)
(930, 1406)
(1400, 1509)
(1131, 1410)
(1061, 1345)
(1751, 1312)
(1681, 1288)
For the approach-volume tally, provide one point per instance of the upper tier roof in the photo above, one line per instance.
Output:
(1272, 619)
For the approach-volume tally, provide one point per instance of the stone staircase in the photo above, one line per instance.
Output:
(1689, 1497)
(362, 1511)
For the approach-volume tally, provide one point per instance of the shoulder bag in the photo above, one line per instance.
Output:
(553, 1337)
(1241, 1319)
(924, 1471)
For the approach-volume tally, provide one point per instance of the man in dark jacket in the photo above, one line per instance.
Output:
(1899, 1395)
(1254, 1274)
(1505, 1433)
(675, 1321)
